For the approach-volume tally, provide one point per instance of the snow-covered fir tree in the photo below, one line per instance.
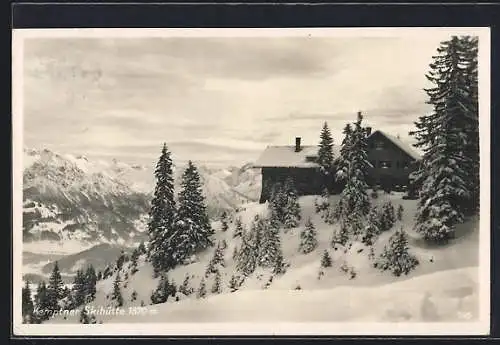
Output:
(238, 228)
(354, 196)
(400, 212)
(216, 261)
(78, 289)
(164, 290)
(292, 214)
(280, 265)
(120, 260)
(371, 253)
(372, 227)
(186, 288)
(387, 216)
(325, 156)
(42, 302)
(246, 260)
(234, 283)
(54, 288)
(340, 235)
(270, 246)
(202, 289)
(342, 162)
(217, 284)
(27, 304)
(448, 174)
(257, 231)
(194, 229)
(224, 222)
(308, 238)
(326, 260)
(117, 292)
(278, 201)
(371, 232)
(396, 256)
(133, 261)
(107, 272)
(323, 204)
(162, 215)
(84, 316)
(90, 284)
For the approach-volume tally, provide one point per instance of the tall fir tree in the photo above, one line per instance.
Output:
(186, 288)
(238, 228)
(354, 196)
(41, 301)
(90, 283)
(117, 293)
(164, 290)
(387, 216)
(27, 304)
(342, 162)
(223, 220)
(120, 260)
(217, 260)
(278, 201)
(246, 260)
(448, 174)
(78, 289)
(400, 212)
(202, 289)
(194, 229)
(270, 246)
(325, 156)
(133, 261)
(84, 316)
(292, 214)
(308, 238)
(54, 288)
(217, 284)
(162, 215)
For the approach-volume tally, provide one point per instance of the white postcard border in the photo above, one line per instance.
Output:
(312, 328)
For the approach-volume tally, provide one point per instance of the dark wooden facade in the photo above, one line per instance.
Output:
(391, 165)
(307, 181)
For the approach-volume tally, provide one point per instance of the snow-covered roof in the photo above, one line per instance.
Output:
(286, 157)
(407, 148)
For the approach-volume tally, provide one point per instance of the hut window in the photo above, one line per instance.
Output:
(379, 145)
(385, 164)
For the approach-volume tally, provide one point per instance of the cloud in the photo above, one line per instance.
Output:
(217, 99)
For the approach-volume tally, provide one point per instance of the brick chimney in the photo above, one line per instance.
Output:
(297, 144)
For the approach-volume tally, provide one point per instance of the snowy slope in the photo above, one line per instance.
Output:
(334, 288)
(452, 296)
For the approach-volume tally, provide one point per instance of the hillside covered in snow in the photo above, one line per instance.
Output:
(443, 287)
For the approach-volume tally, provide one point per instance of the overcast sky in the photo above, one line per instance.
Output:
(219, 100)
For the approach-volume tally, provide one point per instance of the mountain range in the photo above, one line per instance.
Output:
(72, 198)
